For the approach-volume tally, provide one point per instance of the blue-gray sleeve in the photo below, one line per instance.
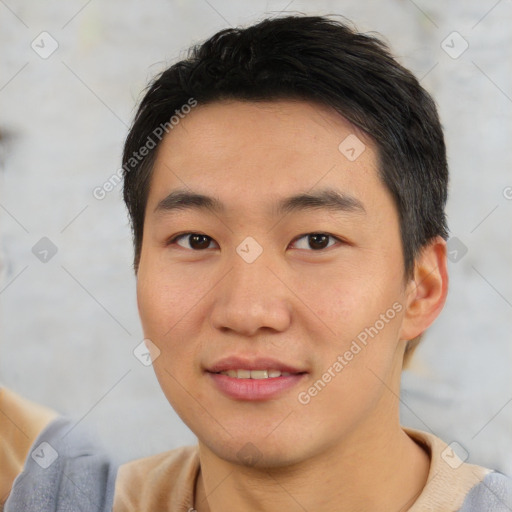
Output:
(66, 470)
(492, 494)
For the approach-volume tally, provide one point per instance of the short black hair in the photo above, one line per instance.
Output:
(318, 59)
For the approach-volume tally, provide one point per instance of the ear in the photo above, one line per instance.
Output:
(427, 290)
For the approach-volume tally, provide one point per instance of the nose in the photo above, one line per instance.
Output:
(251, 298)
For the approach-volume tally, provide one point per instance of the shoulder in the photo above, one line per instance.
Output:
(21, 421)
(454, 484)
(64, 464)
(164, 481)
(493, 493)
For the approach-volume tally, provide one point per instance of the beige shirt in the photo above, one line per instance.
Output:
(166, 482)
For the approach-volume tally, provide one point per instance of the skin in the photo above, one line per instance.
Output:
(345, 449)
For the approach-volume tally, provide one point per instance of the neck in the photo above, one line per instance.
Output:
(373, 469)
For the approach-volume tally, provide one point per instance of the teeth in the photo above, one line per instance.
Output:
(259, 374)
(255, 374)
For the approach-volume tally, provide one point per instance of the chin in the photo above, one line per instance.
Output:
(249, 455)
(244, 450)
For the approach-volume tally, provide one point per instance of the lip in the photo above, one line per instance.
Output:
(253, 389)
(260, 363)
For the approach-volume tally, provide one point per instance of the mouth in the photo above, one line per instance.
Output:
(257, 379)
(254, 374)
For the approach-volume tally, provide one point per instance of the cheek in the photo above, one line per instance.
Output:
(365, 309)
(162, 310)
(356, 371)
(168, 307)
(151, 300)
(350, 299)
(163, 298)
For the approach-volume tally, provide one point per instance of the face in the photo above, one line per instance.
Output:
(303, 294)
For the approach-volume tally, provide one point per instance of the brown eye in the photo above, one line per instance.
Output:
(316, 241)
(196, 241)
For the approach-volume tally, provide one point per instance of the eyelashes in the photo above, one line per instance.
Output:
(197, 236)
(199, 241)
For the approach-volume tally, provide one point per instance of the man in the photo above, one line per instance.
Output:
(286, 185)
(289, 234)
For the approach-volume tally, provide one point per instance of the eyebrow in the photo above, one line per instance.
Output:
(325, 199)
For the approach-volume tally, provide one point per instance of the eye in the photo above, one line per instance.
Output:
(196, 241)
(199, 242)
(317, 241)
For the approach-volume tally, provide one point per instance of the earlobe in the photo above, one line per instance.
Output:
(427, 290)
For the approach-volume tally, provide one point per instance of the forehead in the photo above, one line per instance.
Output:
(248, 151)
